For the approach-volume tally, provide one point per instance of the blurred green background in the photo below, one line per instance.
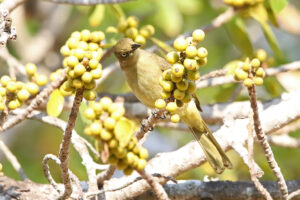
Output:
(31, 140)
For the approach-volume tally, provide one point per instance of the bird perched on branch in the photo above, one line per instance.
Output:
(142, 70)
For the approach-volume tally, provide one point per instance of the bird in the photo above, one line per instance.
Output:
(142, 70)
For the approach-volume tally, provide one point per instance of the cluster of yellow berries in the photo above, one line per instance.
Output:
(251, 72)
(82, 53)
(129, 27)
(242, 3)
(13, 93)
(112, 129)
(178, 82)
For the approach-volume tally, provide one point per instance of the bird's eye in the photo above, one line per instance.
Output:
(124, 55)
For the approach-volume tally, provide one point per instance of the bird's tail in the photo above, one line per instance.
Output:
(215, 155)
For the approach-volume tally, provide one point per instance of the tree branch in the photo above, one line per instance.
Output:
(88, 2)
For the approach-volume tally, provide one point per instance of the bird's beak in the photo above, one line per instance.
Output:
(135, 46)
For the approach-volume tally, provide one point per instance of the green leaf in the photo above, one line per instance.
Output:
(97, 16)
(55, 104)
(124, 130)
(237, 31)
(278, 5)
(273, 86)
(83, 106)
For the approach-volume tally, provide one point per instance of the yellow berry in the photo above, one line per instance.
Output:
(5, 80)
(32, 88)
(178, 94)
(175, 79)
(91, 85)
(30, 69)
(128, 171)
(87, 77)
(65, 51)
(141, 164)
(97, 108)
(131, 33)
(187, 98)
(241, 74)
(191, 51)
(2, 91)
(198, 35)
(143, 153)
(77, 83)
(23, 95)
(89, 113)
(76, 35)
(166, 75)
(85, 35)
(258, 81)
(202, 61)
(112, 160)
(83, 45)
(172, 57)
(89, 95)
(109, 123)
(93, 63)
(175, 118)
(193, 75)
(106, 102)
(96, 73)
(178, 70)
(248, 82)
(2, 106)
(72, 61)
(171, 107)
(113, 143)
(182, 85)
(165, 94)
(97, 36)
(41, 80)
(140, 40)
(79, 53)
(79, 69)
(122, 164)
(116, 115)
(11, 87)
(72, 43)
(246, 66)
(105, 135)
(191, 87)
(255, 63)
(180, 44)
(150, 28)
(14, 104)
(260, 72)
(160, 104)
(190, 64)
(132, 21)
(64, 92)
(96, 128)
(202, 52)
(261, 55)
(93, 46)
(167, 86)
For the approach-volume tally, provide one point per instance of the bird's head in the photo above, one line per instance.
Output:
(125, 48)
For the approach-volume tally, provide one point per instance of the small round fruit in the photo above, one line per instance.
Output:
(193, 75)
(32, 88)
(91, 85)
(76, 35)
(130, 158)
(87, 77)
(175, 79)
(106, 102)
(180, 44)
(93, 46)
(131, 33)
(128, 171)
(260, 72)
(2, 91)
(97, 36)
(89, 95)
(178, 94)
(85, 35)
(132, 21)
(116, 115)
(140, 40)
(122, 26)
(90, 114)
(2, 106)
(72, 61)
(190, 64)
(255, 63)
(109, 123)
(202, 52)
(248, 82)
(41, 80)
(83, 45)
(93, 63)
(79, 69)
(150, 28)
(105, 135)
(167, 86)
(77, 83)
(166, 75)
(143, 153)
(23, 95)
(96, 73)
(178, 70)
(165, 95)
(187, 98)
(141, 164)
(171, 107)
(261, 55)
(122, 164)
(191, 51)
(112, 160)
(172, 57)
(192, 87)
(97, 108)
(14, 104)
(30, 69)
(113, 143)
(258, 81)
(96, 128)
(11, 87)
(246, 66)
(5, 80)
(160, 104)
(241, 74)
(198, 35)
(64, 92)
(202, 61)
(65, 51)
(72, 43)
(175, 118)
(182, 85)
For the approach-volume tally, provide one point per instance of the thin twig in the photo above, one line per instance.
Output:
(88, 2)
(106, 175)
(254, 176)
(293, 194)
(13, 160)
(149, 123)
(266, 146)
(40, 98)
(157, 188)
(7, 31)
(213, 74)
(11, 4)
(64, 150)
(284, 141)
